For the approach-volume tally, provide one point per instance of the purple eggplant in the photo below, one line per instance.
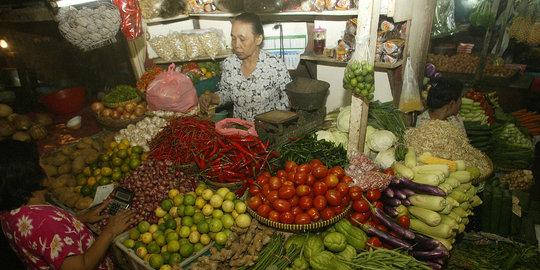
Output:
(407, 192)
(400, 195)
(425, 243)
(405, 202)
(390, 211)
(391, 224)
(385, 237)
(432, 265)
(438, 261)
(391, 201)
(431, 190)
(395, 181)
(429, 255)
(389, 192)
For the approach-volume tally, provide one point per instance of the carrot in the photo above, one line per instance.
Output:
(527, 115)
(530, 120)
(518, 112)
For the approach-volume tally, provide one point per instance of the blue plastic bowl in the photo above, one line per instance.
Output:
(207, 84)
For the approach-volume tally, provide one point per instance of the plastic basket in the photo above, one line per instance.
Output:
(136, 263)
(314, 226)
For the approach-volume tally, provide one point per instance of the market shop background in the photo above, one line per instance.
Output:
(46, 62)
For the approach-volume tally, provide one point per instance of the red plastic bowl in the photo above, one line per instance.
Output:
(65, 101)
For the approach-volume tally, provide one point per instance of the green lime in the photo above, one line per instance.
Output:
(166, 256)
(125, 168)
(358, 71)
(160, 240)
(106, 171)
(166, 205)
(134, 163)
(136, 149)
(183, 241)
(85, 190)
(171, 236)
(186, 250)
(104, 157)
(143, 226)
(104, 181)
(117, 161)
(122, 153)
(180, 210)
(116, 175)
(189, 199)
(162, 227)
(139, 244)
(187, 221)
(198, 217)
(129, 243)
(203, 227)
(171, 224)
(354, 82)
(189, 210)
(197, 247)
(173, 246)
(81, 179)
(175, 258)
(156, 261)
(134, 234)
(153, 248)
(364, 92)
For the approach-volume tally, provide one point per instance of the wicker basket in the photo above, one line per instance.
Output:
(232, 186)
(483, 178)
(123, 103)
(314, 226)
(188, 168)
(117, 124)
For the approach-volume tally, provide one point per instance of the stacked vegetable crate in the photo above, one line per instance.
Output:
(442, 194)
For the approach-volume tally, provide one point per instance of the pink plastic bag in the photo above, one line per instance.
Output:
(226, 127)
(171, 91)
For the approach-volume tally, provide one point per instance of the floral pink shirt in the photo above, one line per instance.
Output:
(44, 235)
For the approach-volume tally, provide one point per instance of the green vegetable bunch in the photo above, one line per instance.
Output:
(359, 78)
(121, 93)
(303, 150)
(482, 16)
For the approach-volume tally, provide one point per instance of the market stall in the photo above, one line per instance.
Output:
(358, 186)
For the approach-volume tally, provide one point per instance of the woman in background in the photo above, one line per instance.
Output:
(443, 102)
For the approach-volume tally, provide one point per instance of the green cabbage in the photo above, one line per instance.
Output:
(343, 119)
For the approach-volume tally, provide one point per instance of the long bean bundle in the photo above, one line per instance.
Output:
(274, 255)
(383, 258)
(386, 116)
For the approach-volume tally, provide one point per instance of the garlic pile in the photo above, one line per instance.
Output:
(520, 179)
(142, 132)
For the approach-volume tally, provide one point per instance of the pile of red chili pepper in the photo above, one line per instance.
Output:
(221, 158)
(147, 77)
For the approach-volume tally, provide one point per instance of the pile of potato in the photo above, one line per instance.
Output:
(62, 165)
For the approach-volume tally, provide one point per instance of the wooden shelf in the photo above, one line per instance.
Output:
(324, 59)
(225, 54)
(350, 12)
(389, 66)
(160, 20)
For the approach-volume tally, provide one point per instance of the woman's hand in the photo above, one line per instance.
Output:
(95, 214)
(120, 222)
(205, 100)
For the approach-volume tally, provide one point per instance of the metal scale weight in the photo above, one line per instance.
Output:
(306, 114)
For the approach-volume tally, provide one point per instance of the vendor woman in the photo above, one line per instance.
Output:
(252, 79)
(443, 102)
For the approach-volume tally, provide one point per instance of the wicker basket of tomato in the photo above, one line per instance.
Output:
(301, 197)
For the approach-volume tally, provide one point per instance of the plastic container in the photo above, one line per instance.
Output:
(319, 40)
(123, 253)
(65, 101)
(207, 84)
(221, 115)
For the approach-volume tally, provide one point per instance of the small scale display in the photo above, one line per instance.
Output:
(121, 199)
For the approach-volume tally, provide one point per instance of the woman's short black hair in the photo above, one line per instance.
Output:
(20, 173)
(443, 91)
(254, 20)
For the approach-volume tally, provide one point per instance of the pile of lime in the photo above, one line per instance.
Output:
(187, 223)
(118, 160)
(359, 78)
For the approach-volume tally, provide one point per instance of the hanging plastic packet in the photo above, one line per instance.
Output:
(409, 100)
(130, 13)
(359, 73)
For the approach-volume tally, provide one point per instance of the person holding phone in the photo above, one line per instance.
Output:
(42, 235)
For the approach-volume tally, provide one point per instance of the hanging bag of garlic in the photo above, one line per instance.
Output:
(89, 26)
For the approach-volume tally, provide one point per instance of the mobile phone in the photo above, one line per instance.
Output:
(121, 200)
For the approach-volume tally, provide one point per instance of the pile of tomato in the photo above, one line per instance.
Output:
(361, 213)
(301, 194)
